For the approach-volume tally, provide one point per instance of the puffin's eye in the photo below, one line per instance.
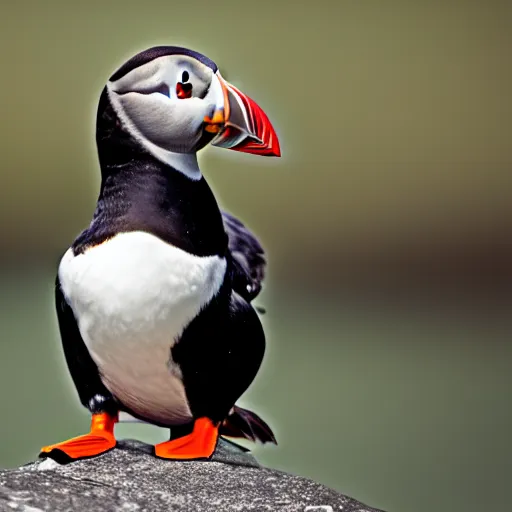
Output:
(183, 91)
(185, 76)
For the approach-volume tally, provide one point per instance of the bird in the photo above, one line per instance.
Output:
(154, 298)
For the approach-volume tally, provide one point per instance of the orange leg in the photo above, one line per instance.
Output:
(99, 440)
(199, 444)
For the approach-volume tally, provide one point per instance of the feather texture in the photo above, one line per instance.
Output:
(246, 424)
(248, 258)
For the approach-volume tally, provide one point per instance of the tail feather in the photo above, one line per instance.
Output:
(248, 425)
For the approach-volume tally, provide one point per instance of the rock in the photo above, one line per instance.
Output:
(130, 479)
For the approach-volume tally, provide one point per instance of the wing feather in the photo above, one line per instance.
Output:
(248, 258)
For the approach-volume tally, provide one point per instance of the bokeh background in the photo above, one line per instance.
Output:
(387, 224)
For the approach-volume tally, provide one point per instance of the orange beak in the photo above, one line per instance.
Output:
(242, 125)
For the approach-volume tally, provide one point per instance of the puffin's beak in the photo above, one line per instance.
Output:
(241, 124)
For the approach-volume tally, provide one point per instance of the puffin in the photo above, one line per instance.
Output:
(154, 298)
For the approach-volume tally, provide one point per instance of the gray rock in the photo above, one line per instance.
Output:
(130, 479)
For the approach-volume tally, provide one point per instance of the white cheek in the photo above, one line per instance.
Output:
(183, 160)
(175, 125)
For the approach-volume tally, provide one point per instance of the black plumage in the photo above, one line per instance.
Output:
(248, 258)
(160, 51)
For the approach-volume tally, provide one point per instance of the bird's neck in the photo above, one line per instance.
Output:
(143, 194)
(140, 192)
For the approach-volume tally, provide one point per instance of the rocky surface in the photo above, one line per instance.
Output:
(130, 479)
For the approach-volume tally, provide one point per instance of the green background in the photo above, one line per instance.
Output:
(387, 224)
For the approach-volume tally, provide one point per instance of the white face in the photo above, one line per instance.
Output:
(164, 102)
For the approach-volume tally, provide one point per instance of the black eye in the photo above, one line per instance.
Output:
(185, 76)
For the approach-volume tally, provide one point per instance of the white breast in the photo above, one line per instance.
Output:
(133, 296)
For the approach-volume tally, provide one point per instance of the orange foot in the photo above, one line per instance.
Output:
(99, 440)
(199, 444)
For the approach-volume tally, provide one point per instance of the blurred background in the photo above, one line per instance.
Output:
(387, 225)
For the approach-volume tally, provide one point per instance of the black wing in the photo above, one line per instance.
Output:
(248, 258)
(84, 372)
